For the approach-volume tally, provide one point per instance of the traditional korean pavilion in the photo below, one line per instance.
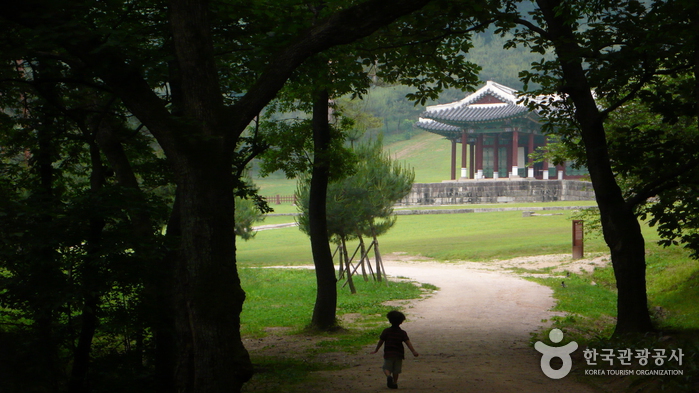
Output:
(496, 134)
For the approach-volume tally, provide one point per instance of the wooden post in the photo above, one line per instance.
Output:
(341, 269)
(545, 171)
(471, 161)
(361, 260)
(578, 241)
(379, 262)
(348, 267)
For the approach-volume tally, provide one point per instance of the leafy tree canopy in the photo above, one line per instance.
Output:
(361, 204)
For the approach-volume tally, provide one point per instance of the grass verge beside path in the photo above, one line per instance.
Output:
(589, 303)
(282, 299)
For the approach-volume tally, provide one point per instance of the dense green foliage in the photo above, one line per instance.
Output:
(655, 161)
(247, 213)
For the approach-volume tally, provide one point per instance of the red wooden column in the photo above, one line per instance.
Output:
(530, 164)
(479, 156)
(546, 163)
(508, 160)
(453, 159)
(471, 161)
(464, 153)
(496, 148)
(515, 150)
(561, 169)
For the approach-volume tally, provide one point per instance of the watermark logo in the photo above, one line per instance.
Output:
(608, 357)
(548, 353)
(624, 357)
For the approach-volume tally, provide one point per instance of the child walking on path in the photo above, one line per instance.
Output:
(394, 353)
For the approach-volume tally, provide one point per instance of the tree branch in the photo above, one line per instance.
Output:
(628, 97)
(531, 26)
(344, 27)
(670, 180)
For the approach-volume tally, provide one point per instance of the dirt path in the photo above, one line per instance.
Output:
(472, 336)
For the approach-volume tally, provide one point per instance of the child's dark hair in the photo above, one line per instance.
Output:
(395, 317)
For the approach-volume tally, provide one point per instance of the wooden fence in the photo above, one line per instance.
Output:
(279, 199)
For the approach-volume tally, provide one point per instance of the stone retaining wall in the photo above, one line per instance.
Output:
(498, 191)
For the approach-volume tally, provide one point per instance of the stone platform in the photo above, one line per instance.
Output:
(498, 191)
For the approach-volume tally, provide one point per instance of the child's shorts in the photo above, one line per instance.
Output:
(394, 365)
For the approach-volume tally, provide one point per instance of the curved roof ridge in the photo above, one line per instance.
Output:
(504, 93)
(435, 126)
(506, 89)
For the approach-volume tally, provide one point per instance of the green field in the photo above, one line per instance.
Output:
(428, 154)
(466, 236)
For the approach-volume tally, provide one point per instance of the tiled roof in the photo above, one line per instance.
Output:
(431, 125)
(502, 105)
(476, 113)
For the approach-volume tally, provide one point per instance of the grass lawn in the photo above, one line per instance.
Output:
(287, 208)
(467, 236)
(285, 298)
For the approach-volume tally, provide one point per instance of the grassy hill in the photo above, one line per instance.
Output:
(427, 153)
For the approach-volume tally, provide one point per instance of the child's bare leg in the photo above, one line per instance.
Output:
(387, 372)
(395, 377)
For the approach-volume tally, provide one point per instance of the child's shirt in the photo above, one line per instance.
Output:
(393, 338)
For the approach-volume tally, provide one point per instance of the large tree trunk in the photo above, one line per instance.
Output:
(208, 295)
(324, 311)
(162, 304)
(208, 298)
(621, 229)
(47, 275)
(90, 283)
